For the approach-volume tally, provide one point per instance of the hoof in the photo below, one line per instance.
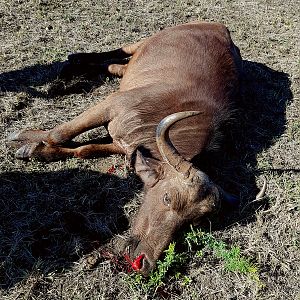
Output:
(26, 151)
(15, 140)
(26, 137)
(13, 136)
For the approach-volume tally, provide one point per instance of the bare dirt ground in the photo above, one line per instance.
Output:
(54, 217)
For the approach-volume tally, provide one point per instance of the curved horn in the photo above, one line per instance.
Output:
(262, 191)
(165, 146)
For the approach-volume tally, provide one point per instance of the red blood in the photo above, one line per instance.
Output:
(126, 256)
(111, 170)
(137, 263)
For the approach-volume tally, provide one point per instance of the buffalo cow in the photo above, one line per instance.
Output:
(178, 88)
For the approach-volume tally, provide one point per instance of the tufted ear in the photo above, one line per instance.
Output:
(147, 168)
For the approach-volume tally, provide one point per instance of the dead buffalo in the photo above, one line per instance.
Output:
(177, 90)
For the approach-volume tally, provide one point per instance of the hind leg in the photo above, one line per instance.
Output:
(102, 57)
(91, 64)
(117, 70)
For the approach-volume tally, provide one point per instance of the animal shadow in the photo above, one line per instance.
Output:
(64, 78)
(260, 119)
(53, 219)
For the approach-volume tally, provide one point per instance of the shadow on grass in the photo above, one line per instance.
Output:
(260, 121)
(65, 78)
(49, 220)
(30, 79)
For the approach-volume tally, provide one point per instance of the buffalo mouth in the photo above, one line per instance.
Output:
(139, 264)
(139, 258)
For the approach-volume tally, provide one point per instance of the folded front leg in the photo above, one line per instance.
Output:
(45, 144)
(45, 152)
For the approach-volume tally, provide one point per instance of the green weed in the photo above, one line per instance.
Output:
(230, 255)
(197, 243)
(156, 277)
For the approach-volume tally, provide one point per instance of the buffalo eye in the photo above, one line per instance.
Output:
(167, 200)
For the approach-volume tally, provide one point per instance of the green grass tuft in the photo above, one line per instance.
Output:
(171, 261)
(230, 255)
(197, 243)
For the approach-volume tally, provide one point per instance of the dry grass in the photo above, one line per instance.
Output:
(53, 217)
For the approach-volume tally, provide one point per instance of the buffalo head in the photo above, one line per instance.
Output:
(176, 193)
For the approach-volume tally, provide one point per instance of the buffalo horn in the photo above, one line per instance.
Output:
(165, 146)
(262, 191)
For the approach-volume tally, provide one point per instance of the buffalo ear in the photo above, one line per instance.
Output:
(229, 200)
(148, 169)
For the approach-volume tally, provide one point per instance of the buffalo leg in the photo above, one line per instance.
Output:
(117, 70)
(91, 64)
(40, 143)
(102, 57)
(46, 152)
